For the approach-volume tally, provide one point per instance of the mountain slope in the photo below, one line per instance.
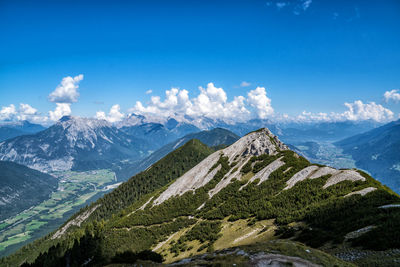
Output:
(22, 187)
(254, 191)
(74, 143)
(378, 152)
(10, 130)
(211, 138)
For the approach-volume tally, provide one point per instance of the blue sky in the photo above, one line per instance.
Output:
(309, 56)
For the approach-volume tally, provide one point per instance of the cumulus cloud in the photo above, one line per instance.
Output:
(211, 102)
(245, 84)
(27, 112)
(392, 95)
(67, 90)
(24, 112)
(360, 111)
(7, 113)
(149, 92)
(356, 111)
(62, 109)
(114, 115)
(258, 99)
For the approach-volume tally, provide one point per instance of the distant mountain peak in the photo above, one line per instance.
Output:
(80, 123)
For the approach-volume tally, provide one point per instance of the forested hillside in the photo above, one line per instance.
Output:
(22, 187)
(252, 192)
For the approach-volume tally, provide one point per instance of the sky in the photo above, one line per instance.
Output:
(231, 60)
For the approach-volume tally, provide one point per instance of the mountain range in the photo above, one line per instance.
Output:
(73, 143)
(252, 202)
(378, 152)
(81, 144)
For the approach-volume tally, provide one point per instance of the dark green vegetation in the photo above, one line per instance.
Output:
(378, 152)
(307, 212)
(22, 187)
(206, 232)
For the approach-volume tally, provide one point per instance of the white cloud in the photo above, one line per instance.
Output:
(309, 117)
(114, 115)
(211, 102)
(258, 99)
(360, 111)
(7, 113)
(27, 112)
(392, 95)
(245, 84)
(62, 109)
(67, 90)
(24, 112)
(27, 109)
(356, 111)
(149, 92)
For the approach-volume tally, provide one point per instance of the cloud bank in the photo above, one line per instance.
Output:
(24, 112)
(356, 111)
(211, 102)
